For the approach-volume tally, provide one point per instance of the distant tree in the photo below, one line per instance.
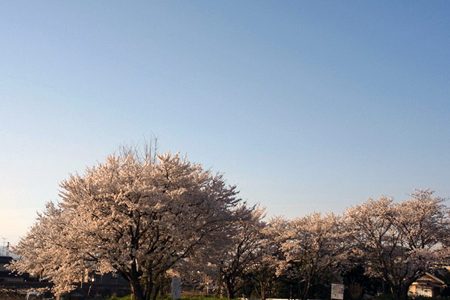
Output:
(242, 250)
(263, 275)
(357, 282)
(44, 253)
(137, 215)
(399, 242)
(312, 247)
(224, 265)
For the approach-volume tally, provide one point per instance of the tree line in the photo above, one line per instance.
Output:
(149, 216)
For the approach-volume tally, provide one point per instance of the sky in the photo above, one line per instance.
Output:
(304, 105)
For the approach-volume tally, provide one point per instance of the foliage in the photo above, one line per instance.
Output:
(147, 217)
(311, 247)
(399, 242)
(135, 215)
(242, 252)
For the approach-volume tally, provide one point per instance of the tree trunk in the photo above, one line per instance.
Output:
(263, 292)
(231, 293)
(306, 289)
(148, 289)
(154, 291)
(137, 292)
(151, 288)
(400, 292)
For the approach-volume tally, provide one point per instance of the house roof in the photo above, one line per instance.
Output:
(430, 278)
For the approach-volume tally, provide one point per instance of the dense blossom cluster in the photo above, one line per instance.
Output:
(148, 217)
(137, 216)
(399, 242)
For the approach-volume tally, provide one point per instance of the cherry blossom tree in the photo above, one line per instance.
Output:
(44, 254)
(242, 251)
(263, 275)
(399, 242)
(137, 215)
(228, 258)
(312, 247)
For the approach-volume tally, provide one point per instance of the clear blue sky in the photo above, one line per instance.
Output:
(306, 106)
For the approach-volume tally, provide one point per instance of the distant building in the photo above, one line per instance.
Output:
(427, 286)
(94, 285)
(6, 276)
(4, 260)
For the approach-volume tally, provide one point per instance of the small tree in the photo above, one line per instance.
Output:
(134, 215)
